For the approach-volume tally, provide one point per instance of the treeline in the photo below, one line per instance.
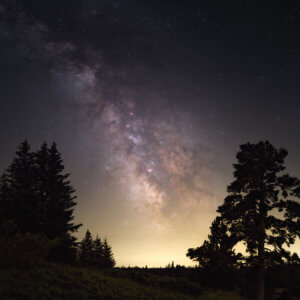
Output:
(95, 252)
(37, 197)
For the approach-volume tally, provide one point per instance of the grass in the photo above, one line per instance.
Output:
(51, 281)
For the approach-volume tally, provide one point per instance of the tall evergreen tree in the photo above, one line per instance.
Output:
(86, 252)
(262, 209)
(42, 188)
(37, 196)
(98, 252)
(109, 261)
(6, 205)
(18, 197)
(59, 203)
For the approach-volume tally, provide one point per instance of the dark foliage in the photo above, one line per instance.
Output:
(261, 211)
(36, 194)
(86, 250)
(109, 261)
(95, 253)
(98, 252)
(217, 252)
(22, 250)
(158, 280)
(19, 200)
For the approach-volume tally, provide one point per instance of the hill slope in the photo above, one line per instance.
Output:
(51, 281)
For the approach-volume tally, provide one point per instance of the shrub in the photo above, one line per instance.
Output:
(22, 250)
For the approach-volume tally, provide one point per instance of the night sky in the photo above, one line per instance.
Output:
(148, 102)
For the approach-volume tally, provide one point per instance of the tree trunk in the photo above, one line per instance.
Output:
(261, 257)
(261, 283)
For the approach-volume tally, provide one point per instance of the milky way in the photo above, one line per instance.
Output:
(148, 102)
(150, 149)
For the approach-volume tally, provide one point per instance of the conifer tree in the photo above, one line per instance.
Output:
(216, 253)
(98, 253)
(6, 207)
(262, 209)
(61, 198)
(18, 197)
(59, 204)
(42, 186)
(86, 249)
(109, 261)
(37, 196)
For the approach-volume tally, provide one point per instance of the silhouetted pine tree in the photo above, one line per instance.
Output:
(256, 197)
(37, 196)
(42, 186)
(59, 204)
(18, 198)
(6, 205)
(216, 253)
(109, 261)
(98, 253)
(86, 252)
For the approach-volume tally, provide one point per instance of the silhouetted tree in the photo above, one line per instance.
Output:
(98, 252)
(86, 249)
(42, 185)
(18, 197)
(59, 202)
(216, 253)
(294, 259)
(61, 198)
(249, 211)
(6, 205)
(170, 265)
(37, 196)
(109, 261)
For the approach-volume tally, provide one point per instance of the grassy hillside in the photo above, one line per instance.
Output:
(51, 281)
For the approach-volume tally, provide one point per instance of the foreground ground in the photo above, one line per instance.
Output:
(50, 281)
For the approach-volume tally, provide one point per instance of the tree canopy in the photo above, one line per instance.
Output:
(95, 252)
(37, 196)
(261, 210)
(217, 252)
